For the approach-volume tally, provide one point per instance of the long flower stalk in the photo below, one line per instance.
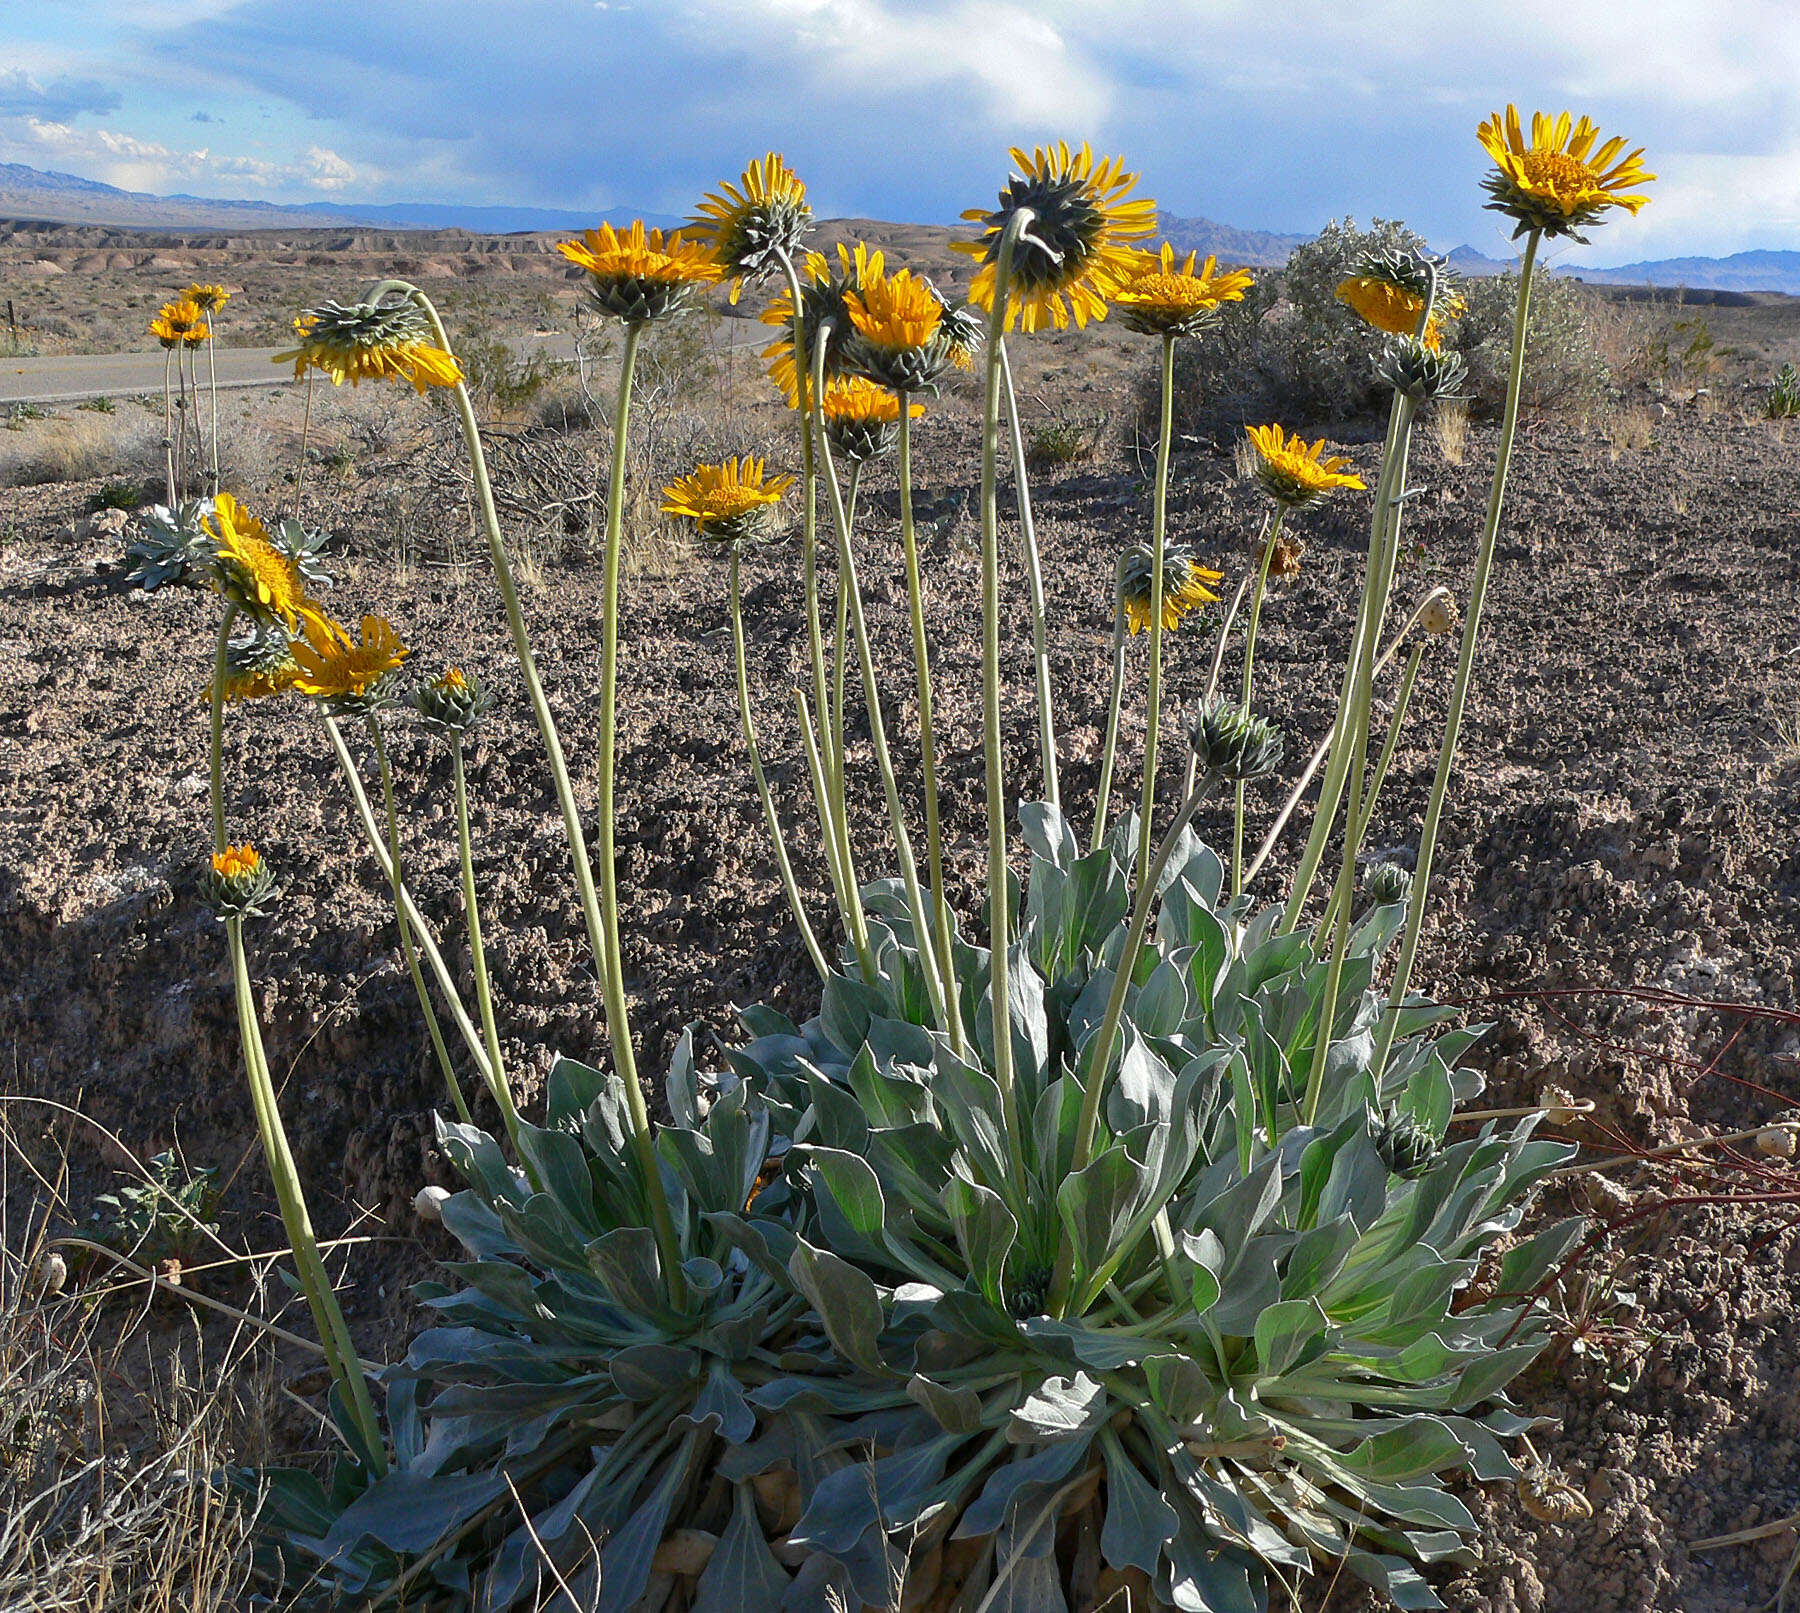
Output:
(212, 377)
(484, 994)
(1159, 525)
(168, 426)
(840, 659)
(396, 881)
(1465, 669)
(934, 841)
(1034, 577)
(305, 433)
(1218, 664)
(1256, 603)
(1115, 701)
(909, 868)
(770, 818)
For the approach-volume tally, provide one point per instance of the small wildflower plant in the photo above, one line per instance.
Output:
(1135, 1209)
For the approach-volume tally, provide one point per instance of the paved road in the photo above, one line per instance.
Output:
(71, 378)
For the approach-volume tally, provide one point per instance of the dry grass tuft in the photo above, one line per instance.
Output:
(1450, 430)
(81, 450)
(1628, 430)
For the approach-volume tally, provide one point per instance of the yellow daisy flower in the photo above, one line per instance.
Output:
(210, 298)
(862, 417)
(1077, 249)
(237, 862)
(727, 502)
(1395, 308)
(236, 882)
(1294, 474)
(642, 275)
(1159, 299)
(750, 227)
(250, 571)
(363, 342)
(331, 666)
(824, 296)
(1557, 182)
(1187, 585)
(179, 323)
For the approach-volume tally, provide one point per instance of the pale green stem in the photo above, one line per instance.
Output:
(484, 994)
(1256, 603)
(909, 868)
(212, 373)
(1159, 525)
(762, 783)
(1034, 576)
(1218, 664)
(305, 432)
(934, 844)
(397, 881)
(840, 660)
(1103, 796)
(216, 751)
(999, 893)
(1465, 670)
(377, 841)
(168, 425)
(315, 1281)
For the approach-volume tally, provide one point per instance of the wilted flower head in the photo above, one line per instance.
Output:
(1557, 182)
(250, 571)
(259, 666)
(345, 677)
(823, 306)
(727, 503)
(901, 338)
(181, 322)
(1438, 614)
(1231, 745)
(1294, 474)
(1157, 298)
(1284, 553)
(862, 420)
(236, 883)
(752, 225)
(1187, 585)
(389, 341)
(453, 702)
(1420, 370)
(642, 275)
(210, 298)
(1076, 250)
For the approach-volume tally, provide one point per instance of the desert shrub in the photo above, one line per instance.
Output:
(1782, 400)
(84, 450)
(504, 381)
(1565, 367)
(1065, 437)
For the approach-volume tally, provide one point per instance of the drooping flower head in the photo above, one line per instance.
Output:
(259, 666)
(1158, 298)
(346, 677)
(453, 702)
(252, 572)
(236, 882)
(823, 306)
(389, 341)
(726, 503)
(1557, 182)
(752, 225)
(902, 338)
(862, 418)
(642, 275)
(1187, 585)
(1390, 287)
(1294, 474)
(210, 298)
(1231, 744)
(180, 323)
(1076, 251)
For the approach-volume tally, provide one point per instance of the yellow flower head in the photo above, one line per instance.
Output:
(895, 310)
(251, 572)
(728, 502)
(1557, 182)
(642, 275)
(750, 227)
(1160, 299)
(1387, 292)
(1076, 250)
(450, 681)
(179, 323)
(904, 335)
(210, 298)
(237, 862)
(1187, 585)
(824, 301)
(453, 702)
(351, 678)
(365, 342)
(862, 418)
(1294, 474)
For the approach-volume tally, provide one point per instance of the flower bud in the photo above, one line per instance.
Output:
(1233, 746)
(237, 883)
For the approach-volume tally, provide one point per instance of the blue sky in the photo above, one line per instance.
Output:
(1275, 116)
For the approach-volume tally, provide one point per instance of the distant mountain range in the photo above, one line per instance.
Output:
(33, 193)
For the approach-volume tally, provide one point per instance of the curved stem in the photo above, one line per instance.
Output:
(396, 881)
(1034, 577)
(788, 885)
(1256, 601)
(909, 868)
(1103, 796)
(1153, 684)
(1465, 669)
(484, 995)
(934, 845)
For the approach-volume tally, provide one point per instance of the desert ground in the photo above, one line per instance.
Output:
(1618, 889)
